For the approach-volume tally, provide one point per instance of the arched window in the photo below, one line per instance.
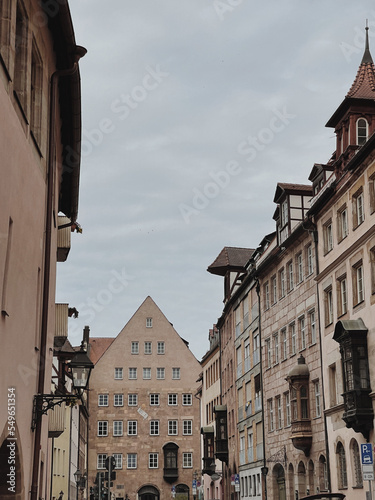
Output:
(362, 131)
(323, 477)
(304, 402)
(341, 466)
(291, 481)
(356, 464)
(301, 480)
(311, 478)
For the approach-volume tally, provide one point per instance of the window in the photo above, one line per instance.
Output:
(160, 373)
(342, 223)
(304, 394)
(328, 236)
(284, 213)
(135, 348)
(372, 193)
(36, 94)
(279, 413)
(153, 460)
(358, 290)
(131, 461)
(20, 60)
(312, 327)
(288, 418)
(358, 208)
(328, 306)
(372, 264)
(187, 460)
(176, 373)
(290, 276)
(293, 404)
(342, 304)
(302, 333)
(187, 399)
(172, 399)
(256, 348)
(154, 399)
(146, 373)
(276, 347)
(357, 467)
(318, 407)
(341, 466)
(274, 289)
(132, 399)
(118, 374)
(148, 347)
(309, 258)
(268, 353)
(293, 340)
(132, 373)
(282, 283)
(362, 131)
(101, 460)
(266, 290)
(154, 428)
(132, 427)
(103, 400)
(148, 322)
(170, 457)
(118, 460)
(118, 400)
(270, 415)
(187, 427)
(284, 344)
(332, 385)
(237, 316)
(172, 428)
(161, 348)
(299, 265)
(102, 428)
(117, 428)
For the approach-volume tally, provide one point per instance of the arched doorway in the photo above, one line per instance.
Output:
(278, 474)
(148, 492)
(182, 492)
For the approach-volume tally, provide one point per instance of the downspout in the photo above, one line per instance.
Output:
(315, 238)
(264, 468)
(47, 267)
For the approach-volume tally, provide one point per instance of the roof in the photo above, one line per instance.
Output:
(287, 188)
(230, 258)
(98, 346)
(363, 87)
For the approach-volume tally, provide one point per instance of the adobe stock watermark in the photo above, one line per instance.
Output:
(249, 149)
(358, 44)
(121, 107)
(223, 7)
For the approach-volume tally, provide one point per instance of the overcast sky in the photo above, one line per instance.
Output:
(192, 111)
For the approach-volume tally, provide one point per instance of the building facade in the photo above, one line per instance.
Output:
(40, 135)
(146, 414)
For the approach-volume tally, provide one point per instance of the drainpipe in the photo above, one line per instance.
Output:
(47, 260)
(264, 468)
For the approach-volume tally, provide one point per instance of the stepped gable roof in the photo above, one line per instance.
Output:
(363, 86)
(230, 258)
(98, 346)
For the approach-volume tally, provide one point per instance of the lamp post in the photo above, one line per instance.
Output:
(81, 367)
(80, 480)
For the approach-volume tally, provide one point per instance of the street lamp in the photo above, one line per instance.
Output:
(80, 367)
(80, 480)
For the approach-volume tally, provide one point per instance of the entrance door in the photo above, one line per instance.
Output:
(281, 485)
(148, 493)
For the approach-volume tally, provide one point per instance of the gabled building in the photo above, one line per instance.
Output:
(143, 408)
(343, 210)
(295, 459)
(40, 134)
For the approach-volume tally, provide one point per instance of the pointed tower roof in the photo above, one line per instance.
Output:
(364, 84)
(363, 87)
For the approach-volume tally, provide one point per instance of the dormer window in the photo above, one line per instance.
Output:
(284, 213)
(362, 131)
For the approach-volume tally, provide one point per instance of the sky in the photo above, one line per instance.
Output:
(192, 111)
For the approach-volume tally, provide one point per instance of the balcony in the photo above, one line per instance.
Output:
(56, 421)
(63, 239)
(302, 435)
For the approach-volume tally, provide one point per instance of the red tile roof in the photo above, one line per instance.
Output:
(364, 84)
(98, 346)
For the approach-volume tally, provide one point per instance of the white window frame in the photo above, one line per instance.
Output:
(148, 322)
(153, 460)
(161, 347)
(154, 427)
(119, 373)
(154, 399)
(187, 399)
(132, 399)
(187, 429)
(172, 427)
(187, 460)
(132, 373)
(100, 461)
(172, 397)
(160, 373)
(131, 461)
(176, 373)
(103, 399)
(102, 429)
(118, 460)
(147, 373)
(118, 428)
(135, 347)
(302, 329)
(361, 138)
(148, 347)
(132, 428)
